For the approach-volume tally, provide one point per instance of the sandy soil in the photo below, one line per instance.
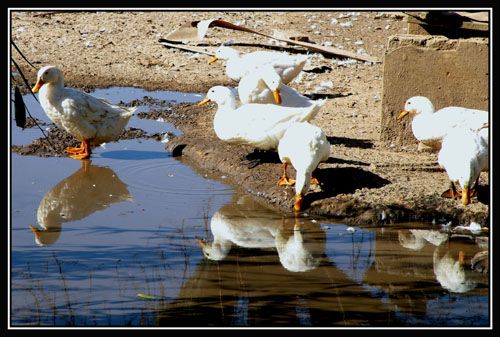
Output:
(363, 182)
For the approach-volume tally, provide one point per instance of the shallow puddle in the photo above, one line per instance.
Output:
(135, 237)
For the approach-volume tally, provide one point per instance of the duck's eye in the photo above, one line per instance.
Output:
(46, 72)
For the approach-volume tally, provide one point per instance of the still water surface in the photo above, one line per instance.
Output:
(135, 237)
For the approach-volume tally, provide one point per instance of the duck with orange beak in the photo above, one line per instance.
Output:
(258, 125)
(89, 119)
(430, 126)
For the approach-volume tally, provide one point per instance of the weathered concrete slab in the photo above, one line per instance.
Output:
(447, 71)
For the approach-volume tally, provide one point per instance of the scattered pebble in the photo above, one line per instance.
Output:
(346, 24)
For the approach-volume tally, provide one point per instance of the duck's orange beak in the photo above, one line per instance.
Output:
(213, 59)
(37, 86)
(204, 101)
(277, 96)
(402, 114)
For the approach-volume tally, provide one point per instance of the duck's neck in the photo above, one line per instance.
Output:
(53, 88)
(228, 103)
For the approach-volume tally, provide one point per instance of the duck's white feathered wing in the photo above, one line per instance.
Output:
(263, 125)
(89, 117)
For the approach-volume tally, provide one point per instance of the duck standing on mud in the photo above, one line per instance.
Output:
(89, 119)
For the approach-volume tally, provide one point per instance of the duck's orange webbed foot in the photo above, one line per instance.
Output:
(79, 153)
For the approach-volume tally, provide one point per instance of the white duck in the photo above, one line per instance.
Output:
(464, 154)
(264, 85)
(91, 120)
(238, 65)
(304, 146)
(88, 190)
(259, 125)
(430, 126)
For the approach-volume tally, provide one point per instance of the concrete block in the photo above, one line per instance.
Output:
(450, 72)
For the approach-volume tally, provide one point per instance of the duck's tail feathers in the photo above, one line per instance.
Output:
(128, 112)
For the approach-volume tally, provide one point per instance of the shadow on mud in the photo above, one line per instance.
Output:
(350, 142)
(344, 180)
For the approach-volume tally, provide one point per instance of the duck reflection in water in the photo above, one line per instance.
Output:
(299, 242)
(90, 189)
(449, 258)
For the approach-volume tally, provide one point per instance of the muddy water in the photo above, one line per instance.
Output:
(134, 237)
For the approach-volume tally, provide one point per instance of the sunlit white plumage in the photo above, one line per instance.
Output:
(264, 85)
(87, 118)
(430, 126)
(464, 154)
(238, 65)
(304, 146)
(259, 125)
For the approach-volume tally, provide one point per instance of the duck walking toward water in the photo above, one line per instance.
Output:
(89, 119)
(464, 154)
(304, 146)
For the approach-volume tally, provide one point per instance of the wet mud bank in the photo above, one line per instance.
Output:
(370, 191)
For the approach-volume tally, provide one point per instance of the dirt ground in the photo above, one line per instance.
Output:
(363, 182)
